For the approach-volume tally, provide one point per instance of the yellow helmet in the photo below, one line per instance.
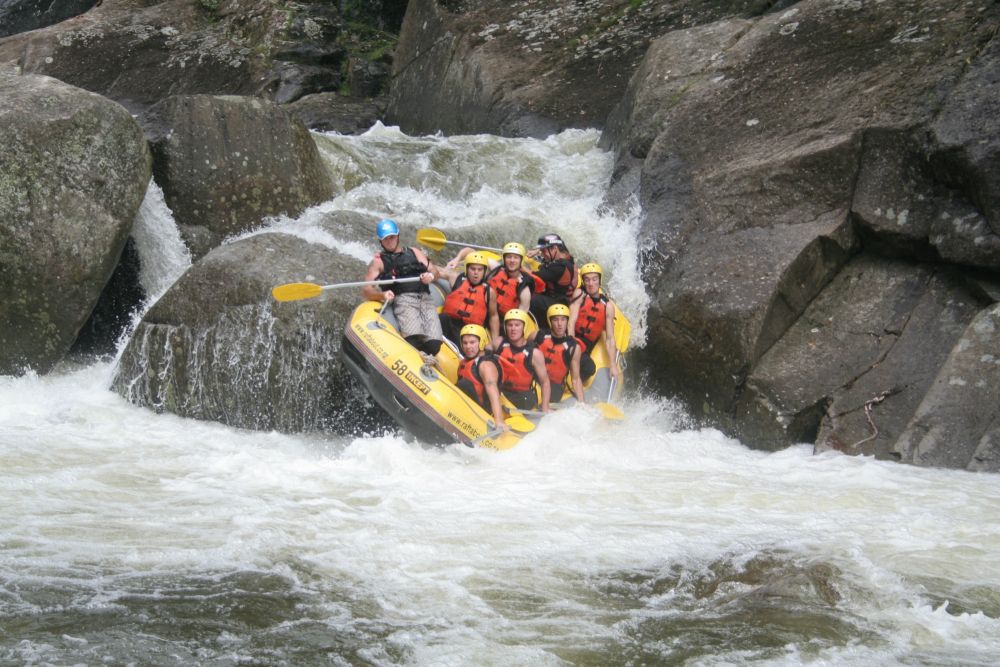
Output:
(475, 330)
(513, 248)
(591, 267)
(555, 310)
(516, 314)
(477, 258)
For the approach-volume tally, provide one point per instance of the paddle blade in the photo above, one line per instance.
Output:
(609, 411)
(623, 331)
(431, 238)
(520, 423)
(296, 291)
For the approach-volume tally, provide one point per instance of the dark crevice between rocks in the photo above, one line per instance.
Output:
(762, 7)
(117, 305)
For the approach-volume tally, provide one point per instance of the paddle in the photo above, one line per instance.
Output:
(436, 240)
(517, 423)
(299, 291)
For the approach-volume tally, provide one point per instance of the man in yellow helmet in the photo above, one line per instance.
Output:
(522, 364)
(562, 353)
(479, 373)
(593, 314)
(471, 298)
(511, 285)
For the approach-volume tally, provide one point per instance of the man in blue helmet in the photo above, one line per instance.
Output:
(411, 301)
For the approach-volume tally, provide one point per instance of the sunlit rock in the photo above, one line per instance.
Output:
(218, 347)
(73, 171)
(226, 163)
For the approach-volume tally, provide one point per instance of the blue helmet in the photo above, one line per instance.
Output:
(386, 228)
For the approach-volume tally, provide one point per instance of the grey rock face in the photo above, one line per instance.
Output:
(226, 163)
(527, 69)
(956, 423)
(859, 360)
(326, 112)
(73, 171)
(882, 115)
(218, 347)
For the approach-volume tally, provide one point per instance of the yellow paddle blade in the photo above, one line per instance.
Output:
(623, 330)
(520, 423)
(609, 411)
(431, 238)
(296, 291)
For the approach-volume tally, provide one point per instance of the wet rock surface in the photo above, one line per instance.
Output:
(217, 346)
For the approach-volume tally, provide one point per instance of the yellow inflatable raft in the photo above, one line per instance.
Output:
(424, 399)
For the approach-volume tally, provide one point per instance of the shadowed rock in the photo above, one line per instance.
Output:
(22, 15)
(884, 114)
(956, 425)
(851, 371)
(527, 70)
(73, 171)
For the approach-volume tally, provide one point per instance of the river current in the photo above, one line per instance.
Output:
(129, 537)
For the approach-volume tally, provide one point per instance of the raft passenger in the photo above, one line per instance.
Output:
(522, 364)
(558, 272)
(470, 299)
(479, 373)
(511, 286)
(592, 314)
(411, 301)
(562, 354)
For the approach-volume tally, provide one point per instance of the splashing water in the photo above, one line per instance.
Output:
(131, 537)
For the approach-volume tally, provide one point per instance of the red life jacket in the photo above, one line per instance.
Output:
(558, 353)
(507, 289)
(469, 370)
(591, 318)
(467, 302)
(515, 362)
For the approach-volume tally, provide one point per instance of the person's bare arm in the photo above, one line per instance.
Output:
(574, 371)
(538, 362)
(371, 292)
(490, 377)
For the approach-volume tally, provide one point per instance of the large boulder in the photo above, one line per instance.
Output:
(216, 346)
(73, 171)
(527, 69)
(740, 138)
(226, 163)
(138, 53)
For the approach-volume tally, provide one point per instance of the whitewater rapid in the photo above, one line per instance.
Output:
(129, 537)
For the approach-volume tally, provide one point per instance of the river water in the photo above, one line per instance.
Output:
(128, 537)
